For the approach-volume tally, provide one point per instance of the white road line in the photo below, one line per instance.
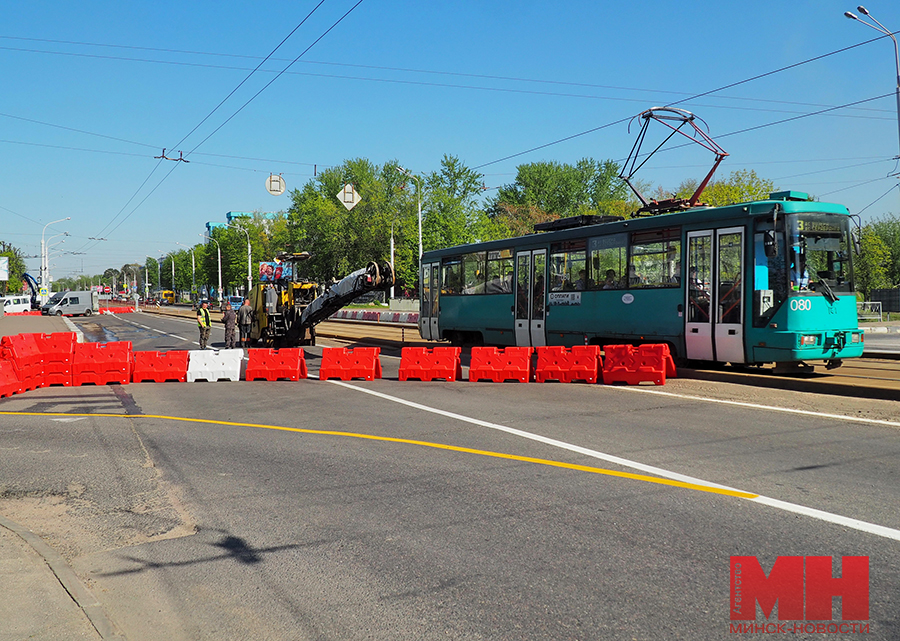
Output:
(856, 524)
(757, 406)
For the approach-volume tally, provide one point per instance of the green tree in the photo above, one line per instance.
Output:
(342, 241)
(871, 265)
(740, 186)
(16, 267)
(548, 190)
(887, 228)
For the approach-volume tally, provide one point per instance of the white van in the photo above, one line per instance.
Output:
(72, 303)
(16, 304)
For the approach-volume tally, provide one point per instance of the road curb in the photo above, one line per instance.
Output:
(66, 576)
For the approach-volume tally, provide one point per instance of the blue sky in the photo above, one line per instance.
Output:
(92, 91)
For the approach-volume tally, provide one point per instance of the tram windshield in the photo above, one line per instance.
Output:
(806, 254)
(818, 255)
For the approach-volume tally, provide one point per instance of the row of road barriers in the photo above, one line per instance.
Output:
(32, 361)
(623, 364)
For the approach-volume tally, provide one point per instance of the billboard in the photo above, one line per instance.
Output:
(269, 272)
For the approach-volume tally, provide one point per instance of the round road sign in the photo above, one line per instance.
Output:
(275, 185)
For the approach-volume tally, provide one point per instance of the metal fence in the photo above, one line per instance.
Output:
(869, 310)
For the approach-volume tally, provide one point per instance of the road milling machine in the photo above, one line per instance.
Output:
(288, 308)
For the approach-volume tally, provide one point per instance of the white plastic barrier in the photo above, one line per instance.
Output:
(214, 365)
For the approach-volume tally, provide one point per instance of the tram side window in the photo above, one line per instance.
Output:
(452, 276)
(426, 289)
(655, 258)
(608, 261)
(770, 280)
(499, 272)
(473, 273)
(568, 266)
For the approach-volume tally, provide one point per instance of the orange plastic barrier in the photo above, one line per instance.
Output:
(580, 363)
(101, 363)
(345, 363)
(9, 379)
(498, 365)
(634, 365)
(273, 364)
(56, 353)
(33, 312)
(428, 364)
(116, 310)
(159, 367)
(22, 351)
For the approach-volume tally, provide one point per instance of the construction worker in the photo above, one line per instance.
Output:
(205, 324)
(245, 321)
(229, 318)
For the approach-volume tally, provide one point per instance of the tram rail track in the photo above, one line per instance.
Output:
(875, 376)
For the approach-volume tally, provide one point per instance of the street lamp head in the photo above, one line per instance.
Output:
(852, 16)
(862, 10)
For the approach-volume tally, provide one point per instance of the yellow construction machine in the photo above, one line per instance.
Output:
(287, 308)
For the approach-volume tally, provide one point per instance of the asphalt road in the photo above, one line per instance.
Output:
(388, 510)
(882, 343)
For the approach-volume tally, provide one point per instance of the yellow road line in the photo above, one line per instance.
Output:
(440, 446)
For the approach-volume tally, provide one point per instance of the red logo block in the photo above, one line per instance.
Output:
(799, 597)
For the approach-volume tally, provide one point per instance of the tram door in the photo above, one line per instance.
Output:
(531, 298)
(428, 309)
(714, 322)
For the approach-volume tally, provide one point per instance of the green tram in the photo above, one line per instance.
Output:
(769, 281)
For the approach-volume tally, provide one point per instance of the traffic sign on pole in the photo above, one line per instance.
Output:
(348, 197)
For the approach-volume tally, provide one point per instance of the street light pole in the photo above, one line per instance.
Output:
(45, 267)
(219, 252)
(408, 173)
(249, 271)
(46, 278)
(882, 29)
(392, 257)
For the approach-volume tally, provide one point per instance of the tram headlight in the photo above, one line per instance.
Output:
(808, 339)
(856, 337)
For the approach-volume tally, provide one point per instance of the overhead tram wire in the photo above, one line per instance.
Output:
(90, 245)
(241, 83)
(200, 123)
(268, 84)
(859, 184)
(499, 89)
(361, 66)
(783, 120)
(706, 93)
(79, 131)
(893, 187)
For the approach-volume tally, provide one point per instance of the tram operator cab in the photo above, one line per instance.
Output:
(768, 281)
